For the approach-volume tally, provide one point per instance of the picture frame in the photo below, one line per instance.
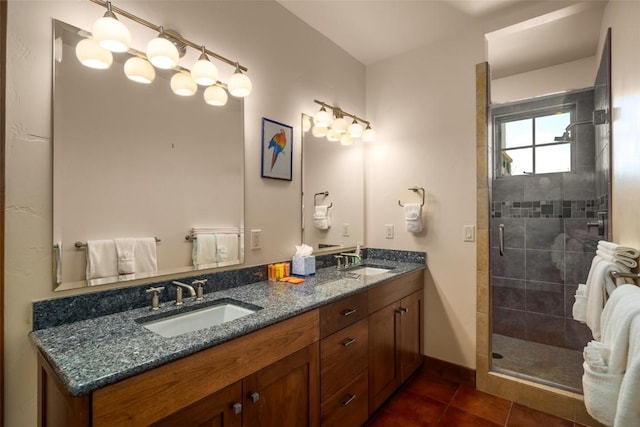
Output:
(277, 150)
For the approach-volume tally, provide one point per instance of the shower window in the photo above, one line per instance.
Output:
(534, 143)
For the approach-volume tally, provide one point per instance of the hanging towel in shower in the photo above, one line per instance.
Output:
(145, 255)
(321, 217)
(628, 407)
(227, 248)
(616, 249)
(617, 259)
(125, 255)
(101, 259)
(204, 249)
(413, 217)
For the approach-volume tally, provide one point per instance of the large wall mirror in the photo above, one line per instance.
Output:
(136, 160)
(332, 182)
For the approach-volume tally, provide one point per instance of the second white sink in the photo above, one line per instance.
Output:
(197, 319)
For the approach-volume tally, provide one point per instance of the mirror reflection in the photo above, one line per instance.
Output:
(333, 192)
(136, 161)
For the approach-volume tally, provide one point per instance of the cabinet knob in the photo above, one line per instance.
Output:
(348, 399)
(348, 342)
(236, 408)
(402, 310)
(255, 396)
(349, 312)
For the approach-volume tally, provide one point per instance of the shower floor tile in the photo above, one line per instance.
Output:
(538, 362)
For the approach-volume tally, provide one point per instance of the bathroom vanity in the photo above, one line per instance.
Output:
(327, 352)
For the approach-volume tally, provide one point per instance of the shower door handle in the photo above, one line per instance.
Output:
(501, 239)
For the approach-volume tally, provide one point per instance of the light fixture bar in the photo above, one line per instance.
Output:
(172, 35)
(338, 109)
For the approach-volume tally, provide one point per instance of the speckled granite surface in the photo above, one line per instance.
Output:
(96, 352)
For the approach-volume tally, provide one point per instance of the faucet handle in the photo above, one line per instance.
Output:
(155, 298)
(199, 291)
(339, 259)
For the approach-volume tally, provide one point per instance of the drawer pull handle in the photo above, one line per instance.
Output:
(349, 312)
(349, 399)
(237, 408)
(348, 342)
(255, 396)
(402, 310)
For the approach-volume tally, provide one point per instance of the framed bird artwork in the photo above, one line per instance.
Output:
(277, 143)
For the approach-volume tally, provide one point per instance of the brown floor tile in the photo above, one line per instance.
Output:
(433, 386)
(387, 419)
(521, 416)
(456, 418)
(419, 408)
(481, 404)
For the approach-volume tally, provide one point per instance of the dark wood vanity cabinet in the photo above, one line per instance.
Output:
(331, 366)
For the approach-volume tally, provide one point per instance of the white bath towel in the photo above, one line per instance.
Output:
(227, 248)
(101, 259)
(598, 288)
(125, 257)
(204, 249)
(600, 394)
(618, 314)
(628, 407)
(413, 217)
(145, 255)
(321, 217)
(579, 309)
(620, 260)
(616, 249)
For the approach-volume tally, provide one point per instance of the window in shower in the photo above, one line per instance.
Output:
(534, 143)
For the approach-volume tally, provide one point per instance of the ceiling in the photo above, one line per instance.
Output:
(522, 34)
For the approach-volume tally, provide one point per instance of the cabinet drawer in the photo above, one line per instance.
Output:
(395, 290)
(342, 356)
(341, 313)
(349, 405)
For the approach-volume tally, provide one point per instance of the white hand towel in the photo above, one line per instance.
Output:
(413, 217)
(125, 249)
(579, 309)
(599, 286)
(628, 407)
(101, 259)
(616, 249)
(204, 249)
(622, 261)
(321, 217)
(146, 259)
(227, 248)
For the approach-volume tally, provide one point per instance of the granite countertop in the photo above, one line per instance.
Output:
(93, 353)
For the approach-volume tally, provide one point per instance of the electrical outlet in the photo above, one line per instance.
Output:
(345, 229)
(469, 233)
(256, 240)
(388, 231)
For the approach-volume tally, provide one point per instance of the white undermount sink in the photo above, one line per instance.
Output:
(368, 270)
(197, 319)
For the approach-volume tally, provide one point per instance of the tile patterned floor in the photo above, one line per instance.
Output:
(428, 400)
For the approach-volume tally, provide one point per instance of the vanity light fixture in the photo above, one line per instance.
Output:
(110, 33)
(139, 70)
(339, 129)
(162, 52)
(204, 72)
(92, 55)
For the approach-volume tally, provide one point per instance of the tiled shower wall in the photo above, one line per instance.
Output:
(548, 246)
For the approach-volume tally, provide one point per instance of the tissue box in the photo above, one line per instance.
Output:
(303, 265)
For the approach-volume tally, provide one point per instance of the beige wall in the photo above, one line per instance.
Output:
(423, 105)
(287, 63)
(622, 17)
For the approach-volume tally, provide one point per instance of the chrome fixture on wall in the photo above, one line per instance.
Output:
(336, 128)
(163, 52)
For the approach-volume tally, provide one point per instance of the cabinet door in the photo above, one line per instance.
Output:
(221, 409)
(285, 393)
(410, 340)
(383, 376)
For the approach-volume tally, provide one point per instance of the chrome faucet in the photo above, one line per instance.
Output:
(353, 256)
(179, 286)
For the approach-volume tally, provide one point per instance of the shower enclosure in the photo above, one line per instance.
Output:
(548, 208)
